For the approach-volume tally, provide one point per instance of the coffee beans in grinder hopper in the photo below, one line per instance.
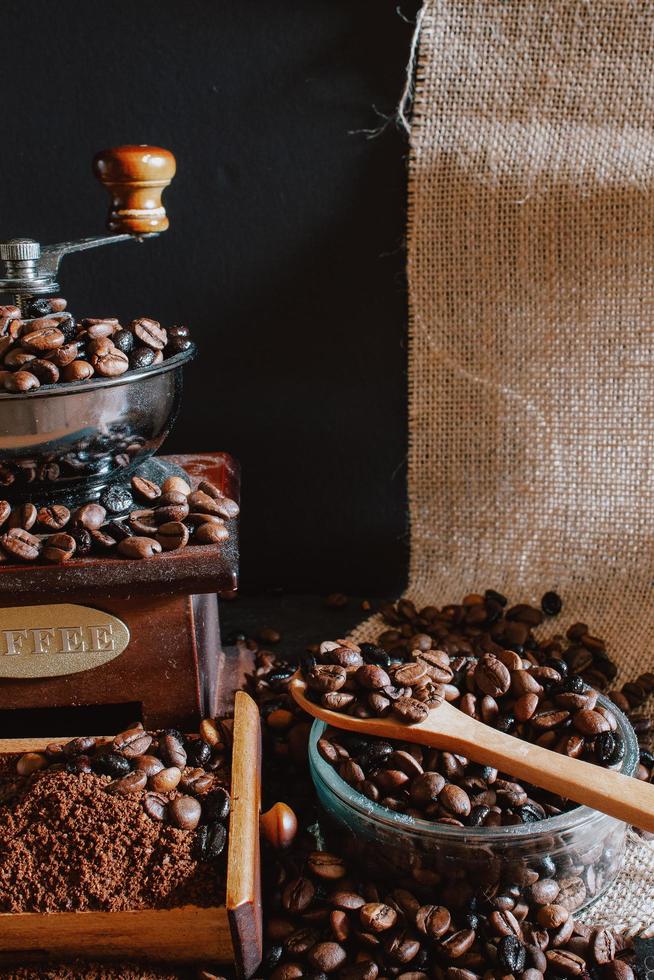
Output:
(50, 346)
(118, 524)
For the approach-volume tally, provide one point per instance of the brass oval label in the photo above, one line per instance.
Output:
(52, 640)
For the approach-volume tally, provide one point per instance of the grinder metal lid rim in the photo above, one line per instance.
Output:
(70, 387)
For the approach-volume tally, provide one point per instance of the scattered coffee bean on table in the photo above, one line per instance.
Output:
(50, 346)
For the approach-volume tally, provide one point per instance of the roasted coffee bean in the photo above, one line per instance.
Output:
(410, 674)
(410, 710)
(175, 484)
(21, 381)
(149, 764)
(109, 363)
(185, 812)
(551, 604)
(202, 503)
(198, 752)
(375, 655)
(603, 947)
(82, 540)
(149, 332)
(102, 541)
(145, 489)
(458, 943)
(492, 677)
(169, 513)
(327, 956)
(17, 358)
(139, 547)
(89, 516)
(31, 762)
(455, 800)
(211, 840)
(155, 805)
(59, 547)
(196, 780)
(116, 499)
(141, 522)
(20, 545)
(123, 340)
(45, 371)
(109, 763)
(298, 895)
(617, 970)
(42, 338)
(23, 516)
(216, 805)
(132, 742)
(134, 782)
(511, 954)
(377, 917)
(552, 916)
(326, 677)
(227, 508)
(590, 722)
(325, 865)
(211, 534)
(564, 963)
(141, 357)
(53, 518)
(171, 749)
(433, 920)
(165, 780)
(76, 370)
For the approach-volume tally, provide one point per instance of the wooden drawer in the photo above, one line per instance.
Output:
(227, 934)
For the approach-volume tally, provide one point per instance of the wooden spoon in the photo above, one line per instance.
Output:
(623, 797)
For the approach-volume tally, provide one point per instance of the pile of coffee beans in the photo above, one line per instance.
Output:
(181, 780)
(351, 679)
(325, 919)
(138, 521)
(51, 346)
(446, 788)
(484, 623)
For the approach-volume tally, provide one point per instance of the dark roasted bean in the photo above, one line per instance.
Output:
(184, 812)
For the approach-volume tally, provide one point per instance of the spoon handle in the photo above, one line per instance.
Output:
(623, 797)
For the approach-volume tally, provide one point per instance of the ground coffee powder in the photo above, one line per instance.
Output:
(68, 845)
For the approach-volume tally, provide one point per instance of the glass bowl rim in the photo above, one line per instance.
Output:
(571, 819)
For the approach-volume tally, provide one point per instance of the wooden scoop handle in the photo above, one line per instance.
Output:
(135, 177)
(624, 797)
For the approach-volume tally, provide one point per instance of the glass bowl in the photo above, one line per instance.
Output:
(582, 850)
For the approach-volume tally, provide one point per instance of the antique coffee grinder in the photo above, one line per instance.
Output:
(104, 640)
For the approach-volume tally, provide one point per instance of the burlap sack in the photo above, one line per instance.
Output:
(531, 359)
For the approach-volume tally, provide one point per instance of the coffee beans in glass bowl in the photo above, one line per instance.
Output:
(50, 346)
(432, 816)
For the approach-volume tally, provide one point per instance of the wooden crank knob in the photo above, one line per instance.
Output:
(135, 177)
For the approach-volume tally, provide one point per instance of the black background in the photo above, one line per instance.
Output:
(285, 252)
